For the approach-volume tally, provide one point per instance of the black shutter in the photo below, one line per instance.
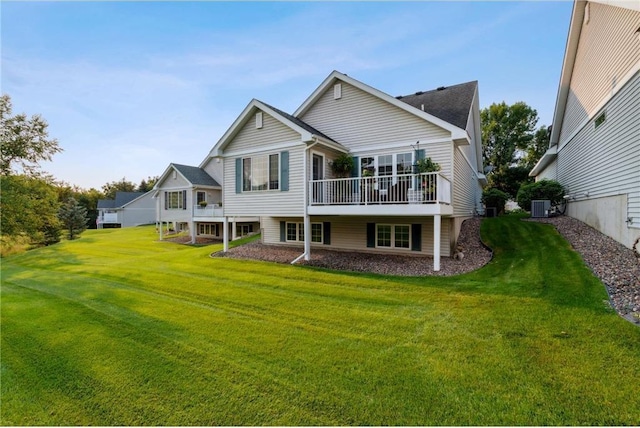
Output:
(326, 233)
(238, 175)
(371, 235)
(283, 231)
(166, 199)
(355, 171)
(416, 237)
(284, 171)
(184, 199)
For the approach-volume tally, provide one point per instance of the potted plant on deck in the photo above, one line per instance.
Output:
(428, 183)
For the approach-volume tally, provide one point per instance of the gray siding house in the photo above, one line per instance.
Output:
(189, 198)
(127, 209)
(595, 141)
(278, 166)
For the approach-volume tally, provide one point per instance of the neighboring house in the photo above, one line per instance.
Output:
(278, 166)
(595, 141)
(127, 209)
(189, 198)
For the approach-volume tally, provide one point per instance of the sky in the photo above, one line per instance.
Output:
(129, 87)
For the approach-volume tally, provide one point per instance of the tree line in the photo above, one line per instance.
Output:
(35, 208)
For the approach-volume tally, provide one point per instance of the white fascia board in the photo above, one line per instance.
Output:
(577, 18)
(545, 160)
(456, 133)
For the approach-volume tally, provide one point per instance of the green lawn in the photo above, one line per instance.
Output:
(118, 329)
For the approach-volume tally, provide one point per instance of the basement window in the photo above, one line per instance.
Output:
(600, 119)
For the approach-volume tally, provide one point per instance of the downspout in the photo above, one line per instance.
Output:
(307, 232)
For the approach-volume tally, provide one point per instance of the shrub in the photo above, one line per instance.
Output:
(494, 198)
(543, 189)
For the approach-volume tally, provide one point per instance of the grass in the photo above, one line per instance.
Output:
(118, 329)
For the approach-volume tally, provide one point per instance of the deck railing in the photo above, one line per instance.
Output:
(424, 188)
(208, 211)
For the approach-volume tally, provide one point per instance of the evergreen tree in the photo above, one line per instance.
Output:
(73, 217)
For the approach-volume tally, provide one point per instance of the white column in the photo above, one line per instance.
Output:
(436, 243)
(234, 233)
(192, 228)
(225, 234)
(307, 238)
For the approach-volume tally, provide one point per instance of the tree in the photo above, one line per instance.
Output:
(29, 207)
(73, 217)
(536, 148)
(86, 198)
(509, 180)
(24, 142)
(147, 185)
(123, 185)
(507, 132)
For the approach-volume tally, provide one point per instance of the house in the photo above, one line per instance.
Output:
(278, 166)
(189, 198)
(594, 150)
(127, 209)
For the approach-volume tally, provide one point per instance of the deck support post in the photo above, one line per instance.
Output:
(225, 234)
(192, 229)
(436, 242)
(307, 237)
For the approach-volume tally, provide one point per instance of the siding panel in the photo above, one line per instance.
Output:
(608, 50)
(272, 132)
(359, 120)
(606, 161)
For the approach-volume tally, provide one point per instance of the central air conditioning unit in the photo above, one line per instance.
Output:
(540, 208)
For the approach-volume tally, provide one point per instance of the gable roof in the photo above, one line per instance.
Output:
(121, 199)
(457, 132)
(196, 176)
(306, 131)
(450, 103)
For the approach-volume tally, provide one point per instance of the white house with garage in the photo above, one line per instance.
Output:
(189, 198)
(594, 150)
(277, 166)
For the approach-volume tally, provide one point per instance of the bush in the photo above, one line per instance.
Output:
(342, 165)
(540, 190)
(494, 198)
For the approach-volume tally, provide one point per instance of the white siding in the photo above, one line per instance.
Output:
(606, 161)
(607, 51)
(350, 233)
(214, 168)
(174, 183)
(358, 120)
(250, 138)
(269, 139)
(465, 187)
(550, 172)
(266, 203)
(138, 212)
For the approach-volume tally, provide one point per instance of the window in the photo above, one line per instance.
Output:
(208, 229)
(201, 197)
(261, 173)
(600, 119)
(295, 232)
(393, 236)
(244, 229)
(175, 200)
(385, 168)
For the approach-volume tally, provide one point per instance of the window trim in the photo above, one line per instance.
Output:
(393, 237)
(299, 231)
(250, 159)
(182, 200)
